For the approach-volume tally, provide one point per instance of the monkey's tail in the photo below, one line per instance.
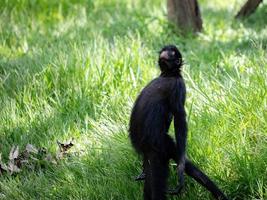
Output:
(203, 179)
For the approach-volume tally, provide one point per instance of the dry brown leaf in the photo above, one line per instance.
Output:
(13, 168)
(42, 151)
(64, 147)
(3, 167)
(31, 156)
(13, 160)
(31, 149)
(22, 159)
(14, 153)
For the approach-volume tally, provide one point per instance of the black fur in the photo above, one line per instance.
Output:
(159, 102)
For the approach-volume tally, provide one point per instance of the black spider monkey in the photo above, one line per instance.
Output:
(159, 102)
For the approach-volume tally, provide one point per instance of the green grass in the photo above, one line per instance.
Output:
(73, 69)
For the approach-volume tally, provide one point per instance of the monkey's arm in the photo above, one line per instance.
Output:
(177, 101)
(180, 126)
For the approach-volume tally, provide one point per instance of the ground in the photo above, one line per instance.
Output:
(73, 69)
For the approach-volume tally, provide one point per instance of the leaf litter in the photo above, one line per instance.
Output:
(32, 157)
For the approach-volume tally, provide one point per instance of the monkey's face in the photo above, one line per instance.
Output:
(170, 58)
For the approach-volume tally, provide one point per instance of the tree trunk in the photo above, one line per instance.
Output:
(185, 14)
(247, 9)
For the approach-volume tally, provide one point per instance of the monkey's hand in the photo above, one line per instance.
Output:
(175, 191)
(140, 177)
(179, 187)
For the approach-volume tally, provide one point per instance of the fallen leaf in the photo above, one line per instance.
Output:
(65, 146)
(14, 153)
(31, 149)
(32, 157)
(13, 168)
(3, 167)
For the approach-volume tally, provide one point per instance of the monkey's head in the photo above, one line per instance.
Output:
(170, 59)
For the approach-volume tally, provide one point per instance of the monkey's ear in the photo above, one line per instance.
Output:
(180, 62)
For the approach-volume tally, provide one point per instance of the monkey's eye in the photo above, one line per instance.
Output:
(172, 53)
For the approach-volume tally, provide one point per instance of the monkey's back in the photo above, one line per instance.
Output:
(151, 115)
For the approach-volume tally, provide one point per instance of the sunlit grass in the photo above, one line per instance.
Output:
(73, 69)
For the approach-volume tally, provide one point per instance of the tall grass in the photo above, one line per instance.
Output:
(73, 69)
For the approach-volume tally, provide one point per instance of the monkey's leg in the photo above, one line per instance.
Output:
(159, 174)
(147, 178)
(142, 176)
(194, 172)
(171, 153)
(204, 180)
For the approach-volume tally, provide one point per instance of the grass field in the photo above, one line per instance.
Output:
(73, 69)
